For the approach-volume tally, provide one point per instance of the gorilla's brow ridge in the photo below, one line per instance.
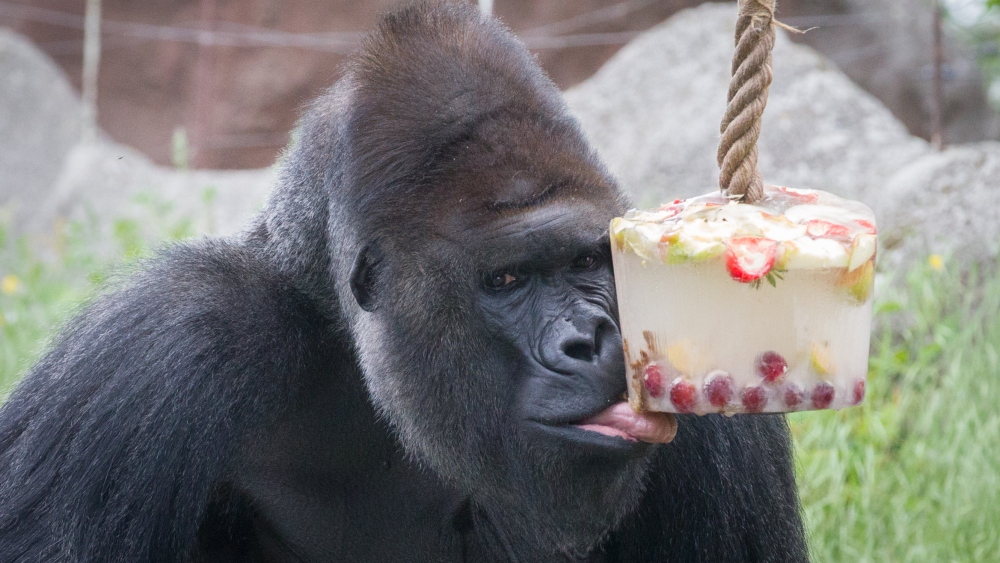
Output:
(501, 205)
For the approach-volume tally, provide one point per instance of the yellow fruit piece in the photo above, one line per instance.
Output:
(786, 251)
(820, 360)
(685, 356)
(677, 248)
(778, 228)
(618, 226)
(862, 250)
(860, 282)
(641, 240)
(813, 254)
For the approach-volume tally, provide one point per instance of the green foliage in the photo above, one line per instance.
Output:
(180, 153)
(914, 473)
(37, 293)
(42, 285)
(982, 33)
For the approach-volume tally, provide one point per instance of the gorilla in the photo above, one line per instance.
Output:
(411, 354)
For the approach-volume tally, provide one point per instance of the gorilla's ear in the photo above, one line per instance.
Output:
(364, 277)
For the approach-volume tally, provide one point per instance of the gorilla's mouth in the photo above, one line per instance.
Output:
(619, 420)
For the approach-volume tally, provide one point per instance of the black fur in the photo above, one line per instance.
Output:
(382, 367)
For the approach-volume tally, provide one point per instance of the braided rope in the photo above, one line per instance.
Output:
(737, 156)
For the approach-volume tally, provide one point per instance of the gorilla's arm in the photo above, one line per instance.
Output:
(111, 445)
(724, 490)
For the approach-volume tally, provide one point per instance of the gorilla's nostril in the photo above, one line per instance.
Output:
(579, 351)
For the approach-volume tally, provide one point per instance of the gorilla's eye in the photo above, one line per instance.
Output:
(585, 262)
(501, 280)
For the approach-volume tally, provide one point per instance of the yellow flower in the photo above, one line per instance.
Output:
(9, 284)
(936, 262)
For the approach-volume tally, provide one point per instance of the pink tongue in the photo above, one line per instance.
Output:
(620, 420)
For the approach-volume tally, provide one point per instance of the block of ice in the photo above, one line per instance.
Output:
(737, 308)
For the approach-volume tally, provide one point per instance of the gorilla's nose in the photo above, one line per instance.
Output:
(583, 341)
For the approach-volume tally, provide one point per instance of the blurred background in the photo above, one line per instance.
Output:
(128, 125)
(232, 75)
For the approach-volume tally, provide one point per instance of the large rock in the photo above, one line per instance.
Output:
(107, 183)
(653, 113)
(51, 179)
(40, 121)
(943, 203)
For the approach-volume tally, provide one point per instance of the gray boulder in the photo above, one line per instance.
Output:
(50, 178)
(107, 183)
(40, 121)
(653, 112)
(943, 203)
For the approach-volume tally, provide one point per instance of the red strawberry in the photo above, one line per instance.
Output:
(750, 258)
(670, 209)
(799, 196)
(719, 388)
(818, 228)
(822, 395)
(793, 395)
(868, 226)
(683, 395)
(771, 366)
(652, 376)
(859, 391)
(754, 398)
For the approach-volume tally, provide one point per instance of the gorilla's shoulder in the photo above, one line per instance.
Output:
(193, 309)
(195, 314)
(218, 284)
(208, 298)
(169, 370)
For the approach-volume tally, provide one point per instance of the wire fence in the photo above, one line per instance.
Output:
(556, 35)
(232, 34)
(118, 34)
(563, 34)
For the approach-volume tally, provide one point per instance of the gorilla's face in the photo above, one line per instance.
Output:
(491, 338)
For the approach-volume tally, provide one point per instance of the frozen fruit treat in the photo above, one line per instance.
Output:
(736, 308)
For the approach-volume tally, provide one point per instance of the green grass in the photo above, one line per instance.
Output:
(37, 294)
(912, 475)
(41, 285)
